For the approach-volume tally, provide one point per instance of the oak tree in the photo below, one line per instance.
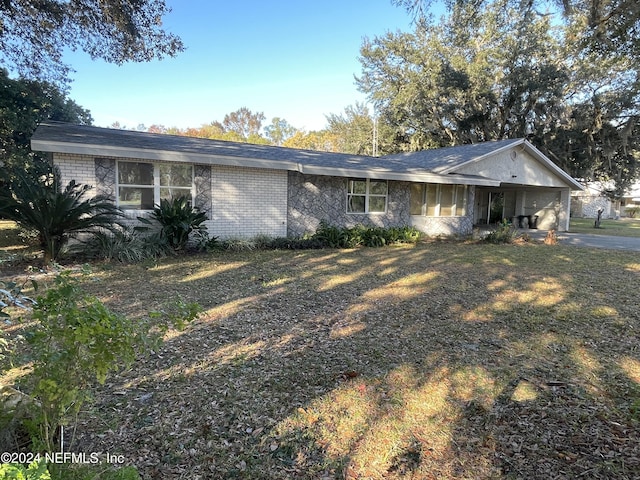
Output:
(35, 33)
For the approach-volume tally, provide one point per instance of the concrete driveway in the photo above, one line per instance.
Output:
(590, 240)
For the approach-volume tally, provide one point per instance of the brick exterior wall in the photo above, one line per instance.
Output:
(240, 202)
(245, 202)
(79, 168)
(313, 198)
(248, 202)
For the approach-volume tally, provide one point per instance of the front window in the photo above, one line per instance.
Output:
(142, 185)
(135, 186)
(175, 181)
(367, 196)
(438, 200)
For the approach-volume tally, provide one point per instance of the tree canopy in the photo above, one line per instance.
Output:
(34, 33)
(24, 104)
(501, 69)
(612, 25)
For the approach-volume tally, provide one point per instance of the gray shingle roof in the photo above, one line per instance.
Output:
(60, 132)
(442, 160)
(436, 165)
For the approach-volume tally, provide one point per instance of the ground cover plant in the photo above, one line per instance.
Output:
(434, 360)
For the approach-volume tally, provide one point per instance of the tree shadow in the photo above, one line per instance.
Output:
(437, 361)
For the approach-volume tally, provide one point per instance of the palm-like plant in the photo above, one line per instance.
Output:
(57, 214)
(178, 219)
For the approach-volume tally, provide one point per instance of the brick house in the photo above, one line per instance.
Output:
(248, 189)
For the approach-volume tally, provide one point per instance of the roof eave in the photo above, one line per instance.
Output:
(383, 174)
(159, 155)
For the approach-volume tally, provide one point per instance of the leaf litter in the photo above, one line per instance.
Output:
(440, 360)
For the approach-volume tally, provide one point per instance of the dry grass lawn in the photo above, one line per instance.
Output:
(440, 360)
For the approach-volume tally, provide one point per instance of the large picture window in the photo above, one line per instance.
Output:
(438, 200)
(142, 185)
(367, 196)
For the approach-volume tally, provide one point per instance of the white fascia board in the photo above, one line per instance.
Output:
(160, 155)
(400, 176)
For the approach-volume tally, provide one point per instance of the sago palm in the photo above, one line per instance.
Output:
(57, 214)
(178, 219)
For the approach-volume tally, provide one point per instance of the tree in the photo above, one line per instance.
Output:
(610, 26)
(56, 214)
(355, 130)
(279, 131)
(243, 122)
(34, 33)
(24, 104)
(493, 71)
(321, 141)
(461, 82)
(240, 126)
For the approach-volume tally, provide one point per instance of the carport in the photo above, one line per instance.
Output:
(532, 188)
(525, 206)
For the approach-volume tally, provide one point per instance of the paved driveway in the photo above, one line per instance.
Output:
(590, 240)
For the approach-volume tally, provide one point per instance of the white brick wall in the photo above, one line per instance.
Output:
(80, 168)
(248, 202)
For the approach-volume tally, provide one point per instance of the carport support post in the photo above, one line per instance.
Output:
(521, 197)
(565, 208)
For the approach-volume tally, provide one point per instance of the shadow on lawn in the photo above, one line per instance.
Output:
(438, 361)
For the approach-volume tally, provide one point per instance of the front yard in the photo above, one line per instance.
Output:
(440, 360)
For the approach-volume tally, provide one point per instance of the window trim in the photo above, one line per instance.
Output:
(156, 183)
(367, 196)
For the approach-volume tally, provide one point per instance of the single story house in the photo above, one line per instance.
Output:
(247, 190)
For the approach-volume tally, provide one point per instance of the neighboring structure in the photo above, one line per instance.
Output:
(587, 202)
(248, 189)
(630, 203)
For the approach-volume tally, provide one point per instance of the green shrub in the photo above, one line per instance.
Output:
(374, 237)
(336, 237)
(74, 471)
(34, 471)
(77, 341)
(332, 237)
(177, 219)
(283, 243)
(39, 470)
(238, 244)
(404, 235)
(504, 233)
(126, 245)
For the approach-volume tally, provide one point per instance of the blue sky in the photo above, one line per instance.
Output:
(290, 59)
